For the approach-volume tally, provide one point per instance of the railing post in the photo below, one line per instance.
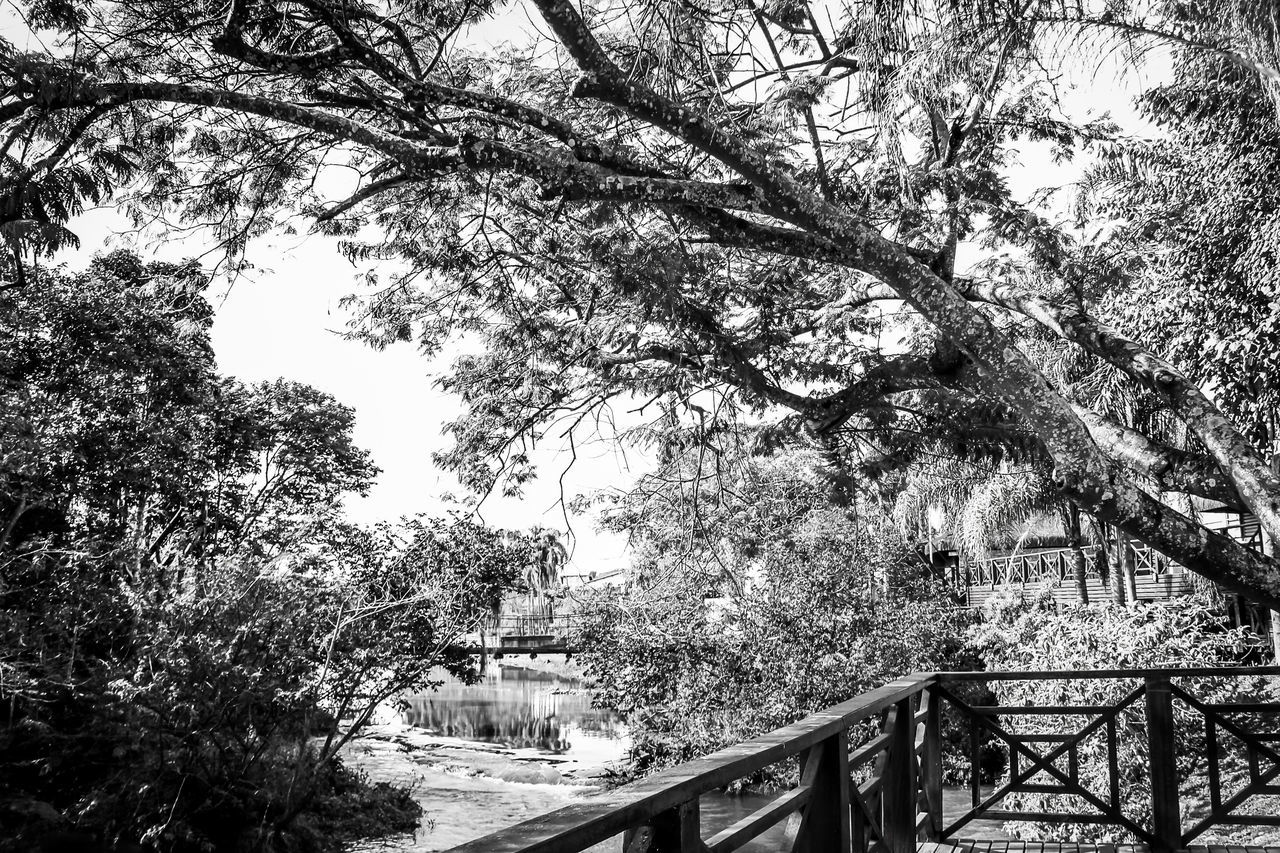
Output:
(676, 830)
(826, 824)
(1166, 814)
(931, 763)
(899, 782)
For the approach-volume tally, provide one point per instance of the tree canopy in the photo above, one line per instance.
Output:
(732, 210)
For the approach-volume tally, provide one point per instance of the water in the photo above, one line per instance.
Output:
(548, 713)
(522, 743)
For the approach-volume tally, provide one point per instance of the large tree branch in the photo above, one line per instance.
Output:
(1171, 469)
(1249, 472)
(908, 372)
(1012, 375)
(558, 174)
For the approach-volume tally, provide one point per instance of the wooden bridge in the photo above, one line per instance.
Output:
(527, 635)
(870, 774)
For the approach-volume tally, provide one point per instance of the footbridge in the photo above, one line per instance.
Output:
(530, 635)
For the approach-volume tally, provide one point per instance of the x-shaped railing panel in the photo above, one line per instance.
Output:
(1260, 782)
(1104, 718)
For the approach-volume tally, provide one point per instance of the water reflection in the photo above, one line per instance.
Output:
(517, 708)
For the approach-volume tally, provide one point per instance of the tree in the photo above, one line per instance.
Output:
(542, 572)
(118, 427)
(686, 199)
(754, 605)
(189, 628)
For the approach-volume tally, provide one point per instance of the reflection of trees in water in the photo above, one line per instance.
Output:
(603, 723)
(515, 727)
(516, 707)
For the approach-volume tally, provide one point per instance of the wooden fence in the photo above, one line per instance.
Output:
(861, 792)
(1156, 577)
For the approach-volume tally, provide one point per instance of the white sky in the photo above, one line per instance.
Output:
(284, 321)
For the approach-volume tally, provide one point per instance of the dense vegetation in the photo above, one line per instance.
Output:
(189, 629)
(781, 604)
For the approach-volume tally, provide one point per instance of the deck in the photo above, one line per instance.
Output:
(1155, 576)
(1151, 576)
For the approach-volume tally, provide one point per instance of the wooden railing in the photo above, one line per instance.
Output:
(882, 790)
(535, 625)
(1055, 566)
(1032, 567)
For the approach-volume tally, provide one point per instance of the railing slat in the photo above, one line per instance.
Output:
(733, 837)
(899, 781)
(826, 829)
(869, 750)
(1162, 764)
(931, 762)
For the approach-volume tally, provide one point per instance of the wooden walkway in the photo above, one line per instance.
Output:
(1036, 847)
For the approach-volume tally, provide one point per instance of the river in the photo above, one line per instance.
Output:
(521, 743)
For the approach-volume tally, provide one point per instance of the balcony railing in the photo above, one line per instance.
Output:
(1155, 576)
(871, 770)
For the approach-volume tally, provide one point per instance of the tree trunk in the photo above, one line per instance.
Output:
(17, 514)
(1125, 561)
(1117, 568)
(1077, 554)
(1269, 548)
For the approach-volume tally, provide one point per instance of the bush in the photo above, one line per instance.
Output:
(822, 619)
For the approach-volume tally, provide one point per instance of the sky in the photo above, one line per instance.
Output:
(284, 320)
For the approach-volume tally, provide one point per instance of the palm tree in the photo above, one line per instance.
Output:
(542, 572)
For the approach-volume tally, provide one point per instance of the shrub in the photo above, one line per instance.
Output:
(821, 620)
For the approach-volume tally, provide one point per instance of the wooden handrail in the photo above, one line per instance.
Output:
(895, 798)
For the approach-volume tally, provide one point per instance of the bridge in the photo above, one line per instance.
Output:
(527, 635)
(870, 774)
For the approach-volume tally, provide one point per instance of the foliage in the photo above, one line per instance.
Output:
(1199, 208)
(801, 606)
(189, 630)
(1018, 634)
(199, 726)
(119, 427)
(757, 208)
